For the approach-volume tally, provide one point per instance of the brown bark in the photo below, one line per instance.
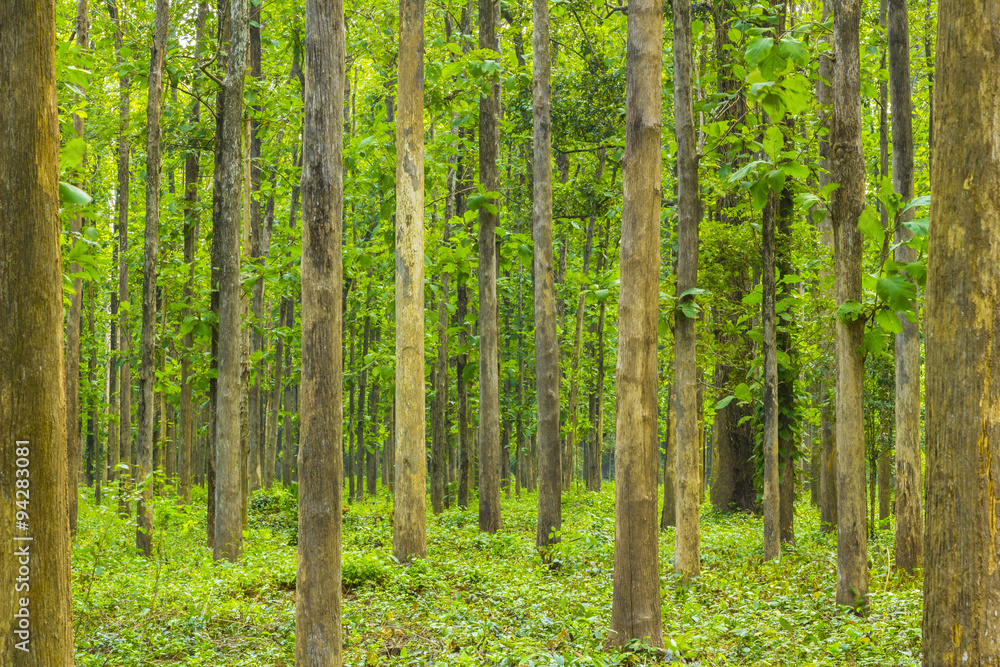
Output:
(409, 538)
(909, 501)
(687, 560)
(848, 201)
(229, 489)
(33, 395)
(635, 607)
(318, 595)
(668, 515)
(147, 377)
(961, 543)
(192, 175)
(441, 429)
(546, 336)
(772, 493)
(489, 380)
(787, 372)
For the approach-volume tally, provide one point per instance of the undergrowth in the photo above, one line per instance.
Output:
(478, 599)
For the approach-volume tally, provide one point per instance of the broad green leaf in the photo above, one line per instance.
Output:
(896, 292)
(758, 48)
(888, 320)
(849, 311)
(70, 194)
(774, 140)
(871, 226)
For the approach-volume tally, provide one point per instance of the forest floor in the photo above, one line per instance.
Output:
(478, 599)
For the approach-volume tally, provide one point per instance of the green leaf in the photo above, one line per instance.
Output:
(919, 201)
(774, 140)
(70, 194)
(888, 320)
(849, 311)
(896, 292)
(918, 227)
(742, 392)
(758, 48)
(724, 402)
(795, 51)
(871, 226)
(734, 35)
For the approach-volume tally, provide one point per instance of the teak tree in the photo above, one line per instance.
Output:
(961, 543)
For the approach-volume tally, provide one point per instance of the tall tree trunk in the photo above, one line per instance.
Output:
(772, 493)
(317, 618)
(439, 444)
(229, 490)
(787, 370)
(409, 537)
(635, 606)
(372, 457)
(74, 444)
(847, 169)
(255, 433)
(828, 442)
(92, 439)
(489, 380)
(147, 377)
(687, 559)
(909, 504)
(961, 543)
(121, 226)
(359, 459)
(192, 176)
(33, 417)
(543, 276)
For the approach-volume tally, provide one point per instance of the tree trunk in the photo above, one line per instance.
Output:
(489, 381)
(255, 432)
(687, 559)
(192, 176)
(546, 335)
(828, 446)
(409, 538)
(33, 417)
(229, 493)
(359, 458)
(847, 169)
(787, 371)
(909, 503)
(121, 226)
(961, 544)
(635, 607)
(317, 600)
(439, 445)
(92, 440)
(147, 378)
(772, 493)
(668, 516)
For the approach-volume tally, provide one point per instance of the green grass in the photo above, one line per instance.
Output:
(478, 599)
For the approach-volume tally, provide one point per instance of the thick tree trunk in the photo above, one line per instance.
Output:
(909, 503)
(147, 378)
(409, 537)
(772, 493)
(317, 604)
(847, 169)
(546, 335)
(229, 489)
(787, 371)
(961, 544)
(635, 606)
(33, 416)
(489, 380)
(687, 560)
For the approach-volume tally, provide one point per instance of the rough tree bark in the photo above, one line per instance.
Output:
(847, 168)
(317, 618)
(32, 380)
(961, 544)
(909, 501)
(228, 452)
(635, 606)
(147, 378)
(687, 560)
(439, 446)
(409, 537)
(489, 380)
(546, 340)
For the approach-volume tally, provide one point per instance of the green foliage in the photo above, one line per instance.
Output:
(477, 599)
